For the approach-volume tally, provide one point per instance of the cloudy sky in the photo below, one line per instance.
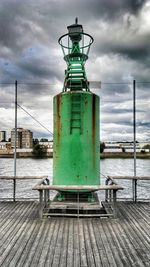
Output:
(29, 53)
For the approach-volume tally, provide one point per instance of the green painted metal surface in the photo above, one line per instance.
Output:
(76, 155)
(76, 139)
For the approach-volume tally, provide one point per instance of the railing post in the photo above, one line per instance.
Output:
(78, 203)
(48, 193)
(134, 181)
(41, 204)
(135, 189)
(15, 145)
(114, 203)
(106, 191)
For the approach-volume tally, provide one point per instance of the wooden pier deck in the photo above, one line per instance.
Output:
(26, 240)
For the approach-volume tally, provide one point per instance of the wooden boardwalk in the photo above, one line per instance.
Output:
(27, 241)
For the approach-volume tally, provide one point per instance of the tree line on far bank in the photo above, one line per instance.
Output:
(40, 151)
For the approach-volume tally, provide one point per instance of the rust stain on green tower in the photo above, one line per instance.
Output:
(76, 159)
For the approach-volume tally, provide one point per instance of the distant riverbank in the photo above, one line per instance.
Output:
(103, 155)
(126, 155)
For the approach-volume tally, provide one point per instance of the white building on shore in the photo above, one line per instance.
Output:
(24, 138)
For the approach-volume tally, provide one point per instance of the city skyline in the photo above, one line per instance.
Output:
(8, 138)
(30, 54)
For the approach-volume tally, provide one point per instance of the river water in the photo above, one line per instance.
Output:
(44, 167)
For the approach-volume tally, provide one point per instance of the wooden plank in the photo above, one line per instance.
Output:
(83, 255)
(63, 255)
(144, 212)
(70, 243)
(4, 206)
(138, 222)
(43, 232)
(47, 242)
(133, 236)
(12, 227)
(12, 243)
(123, 254)
(51, 251)
(7, 211)
(58, 246)
(116, 248)
(22, 245)
(8, 223)
(109, 245)
(93, 242)
(32, 252)
(126, 256)
(89, 251)
(31, 238)
(28, 241)
(76, 245)
(100, 242)
(142, 229)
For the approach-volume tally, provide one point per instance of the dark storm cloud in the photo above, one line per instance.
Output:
(29, 52)
(31, 23)
(128, 44)
(22, 22)
(128, 35)
(107, 9)
(12, 28)
(111, 9)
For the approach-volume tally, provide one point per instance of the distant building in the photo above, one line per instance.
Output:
(24, 138)
(123, 146)
(48, 145)
(5, 146)
(2, 136)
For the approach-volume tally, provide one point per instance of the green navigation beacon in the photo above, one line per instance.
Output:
(76, 156)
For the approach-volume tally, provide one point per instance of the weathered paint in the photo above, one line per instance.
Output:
(76, 118)
(58, 116)
(76, 150)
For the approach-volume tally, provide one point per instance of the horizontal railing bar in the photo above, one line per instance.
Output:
(76, 187)
(125, 198)
(77, 215)
(37, 198)
(131, 177)
(22, 177)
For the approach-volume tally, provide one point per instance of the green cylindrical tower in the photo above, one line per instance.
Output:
(76, 158)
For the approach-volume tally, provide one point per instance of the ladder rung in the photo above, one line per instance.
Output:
(74, 107)
(75, 71)
(76, 98)
(76, 66)
(74, 102)
(76, 79)
(77, 127)
(76, 63)
(72, 76)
